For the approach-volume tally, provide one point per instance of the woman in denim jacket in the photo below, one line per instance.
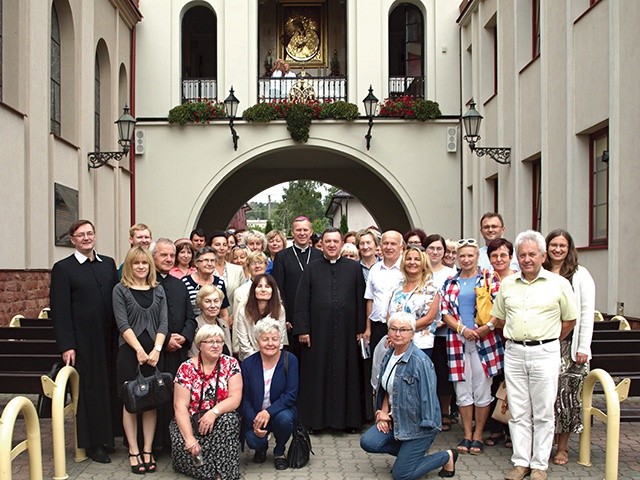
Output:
(408, 415)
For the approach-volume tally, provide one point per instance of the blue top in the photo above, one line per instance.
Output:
(284, 387)
(467, 301)
(416, 409)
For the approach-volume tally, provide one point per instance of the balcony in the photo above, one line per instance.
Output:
(304, 88)
(199, 89)
(406, 86)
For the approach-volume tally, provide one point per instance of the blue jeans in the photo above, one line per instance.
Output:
(281, 425)
(412, 462)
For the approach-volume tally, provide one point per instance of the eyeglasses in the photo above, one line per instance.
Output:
(434, 249)
(83, 235)
(415, 246)
(491, 227)
(561, 246)
(215, 343)
(402, 331)
(463, 242)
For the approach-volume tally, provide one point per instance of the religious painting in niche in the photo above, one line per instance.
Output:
(66, 212)
(302, 30)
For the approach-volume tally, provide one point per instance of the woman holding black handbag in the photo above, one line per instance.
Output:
(140, 310)
(205, 434)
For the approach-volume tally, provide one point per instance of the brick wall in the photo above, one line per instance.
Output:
(23, 292)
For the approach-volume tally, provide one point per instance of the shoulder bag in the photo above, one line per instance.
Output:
(148, 393)
(300, 447)
(484, 302)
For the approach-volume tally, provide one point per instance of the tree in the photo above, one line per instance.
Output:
(344, 226)
(301, 197)
(268, 227)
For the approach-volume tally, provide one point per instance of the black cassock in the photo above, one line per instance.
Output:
(82, 313)
(330, 307)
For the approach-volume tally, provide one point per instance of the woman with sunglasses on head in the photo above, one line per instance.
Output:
(475, 352)
(575, 348)
(205, 434)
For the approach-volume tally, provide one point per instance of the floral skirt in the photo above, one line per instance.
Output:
(220, 450)
(568, 405)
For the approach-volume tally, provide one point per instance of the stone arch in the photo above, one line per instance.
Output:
(337, 164)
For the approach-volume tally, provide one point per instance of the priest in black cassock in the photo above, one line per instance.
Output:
(82, 315)
(329, 319)
(288, 266)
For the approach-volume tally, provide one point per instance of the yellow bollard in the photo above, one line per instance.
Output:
(55, 389)
(15, 321)
(613, 396)
(624, 324)
(20, 405)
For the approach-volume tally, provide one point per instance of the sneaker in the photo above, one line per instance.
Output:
(538, 474)
(517, 473)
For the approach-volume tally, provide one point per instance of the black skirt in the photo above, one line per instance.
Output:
(127, 363)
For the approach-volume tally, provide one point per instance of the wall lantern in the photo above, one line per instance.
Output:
(471, 122)
(126, 123)
(231, 106)
(370, 104)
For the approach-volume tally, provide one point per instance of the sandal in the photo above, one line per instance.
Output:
(476, 447)
(507, 442)
(464, 445)
(446, 423)
(139, 468)
(494, 439)
(151, 464)
(561, 457)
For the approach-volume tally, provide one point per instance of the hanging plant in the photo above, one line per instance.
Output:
(410, 108)
(299, 121)
(196, 112)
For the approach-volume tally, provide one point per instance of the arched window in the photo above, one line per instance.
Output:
(96, 106)
(406, 51)
(55, 72)
(199, 55)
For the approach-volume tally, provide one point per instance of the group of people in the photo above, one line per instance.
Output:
(280, 88)
(361, 327)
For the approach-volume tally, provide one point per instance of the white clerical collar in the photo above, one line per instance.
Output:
(83, 258)
(302, 249)
(331, 261)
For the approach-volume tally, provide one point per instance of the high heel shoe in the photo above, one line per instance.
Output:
(150, 466)
(450, 473)
(139, 468)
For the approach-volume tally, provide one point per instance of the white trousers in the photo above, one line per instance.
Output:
(531, 373)
(476, 387)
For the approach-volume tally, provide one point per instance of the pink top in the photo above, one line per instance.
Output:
(176, 272)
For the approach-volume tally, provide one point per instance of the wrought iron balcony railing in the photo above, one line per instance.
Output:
(304, 88)
(401, 86)
(199, 89)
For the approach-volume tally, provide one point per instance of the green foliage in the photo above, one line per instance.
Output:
(319, 225)
(410, 108)
(268, 227)
(260, 113)
(344, 226)
(340, 111)
(301, 197)
(196, 112)
(299, 122)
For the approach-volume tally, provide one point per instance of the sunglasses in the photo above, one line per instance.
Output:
(463, 242)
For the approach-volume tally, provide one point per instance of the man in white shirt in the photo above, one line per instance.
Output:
(492, 227)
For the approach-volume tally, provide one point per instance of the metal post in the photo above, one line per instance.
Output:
(24, 406)
(56, 390)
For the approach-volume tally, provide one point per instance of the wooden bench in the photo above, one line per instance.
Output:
(618, 352)
(26, 353)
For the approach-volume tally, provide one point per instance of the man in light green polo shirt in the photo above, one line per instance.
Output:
(534, 309)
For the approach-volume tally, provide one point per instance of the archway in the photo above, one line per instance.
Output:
(305, 162)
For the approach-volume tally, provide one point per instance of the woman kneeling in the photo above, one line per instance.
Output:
(269, 393)
(408, 415)
(206, 445)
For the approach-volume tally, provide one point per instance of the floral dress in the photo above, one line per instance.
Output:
(220, 447)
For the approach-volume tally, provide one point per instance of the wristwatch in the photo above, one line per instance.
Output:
(158, 348)
(491, 326)
(215, 411)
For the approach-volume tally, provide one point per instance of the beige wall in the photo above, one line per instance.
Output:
(546, 108)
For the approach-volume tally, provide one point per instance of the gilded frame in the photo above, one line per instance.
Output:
(302, 33)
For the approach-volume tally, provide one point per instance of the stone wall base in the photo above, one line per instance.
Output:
(23, 292)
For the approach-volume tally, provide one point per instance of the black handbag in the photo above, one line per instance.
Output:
(300, 447)
(148, 393)
(298, 454)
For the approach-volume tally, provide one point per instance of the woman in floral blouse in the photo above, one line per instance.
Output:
(206, 446)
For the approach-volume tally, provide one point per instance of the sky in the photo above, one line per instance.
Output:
(276, 193)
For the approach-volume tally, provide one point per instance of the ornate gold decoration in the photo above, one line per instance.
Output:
(302, 33)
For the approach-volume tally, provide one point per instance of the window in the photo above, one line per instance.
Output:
(199, 55)
(536, 194)
(96, 106)
(55, 72)
(599, 188)
(406, 47)
(495, 62)
(535, 24)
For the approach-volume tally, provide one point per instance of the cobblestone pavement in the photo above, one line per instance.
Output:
(338, 456)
